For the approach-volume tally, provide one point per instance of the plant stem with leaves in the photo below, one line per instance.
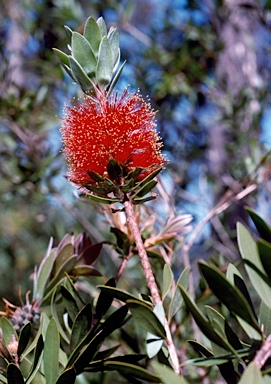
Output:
(131, 220)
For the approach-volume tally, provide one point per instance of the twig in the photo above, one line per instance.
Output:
(263, 353)
(131, 220)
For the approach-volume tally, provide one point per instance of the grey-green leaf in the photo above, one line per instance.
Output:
(167, 280)
(83, 54)
(102, 26)
(105, 63)
(62, 56)
(79, 74)
(93, 34)
(177, 299)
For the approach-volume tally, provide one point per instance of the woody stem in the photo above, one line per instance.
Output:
(131, 220)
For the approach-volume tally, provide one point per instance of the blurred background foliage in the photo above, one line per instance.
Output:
(206, 68)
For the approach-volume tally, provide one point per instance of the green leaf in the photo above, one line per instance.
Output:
(146, 318)
(67, 377)
(167, 375)
(265, 318)
(251, 375)
(8, 331)
(167, 280)
(83, 54)
(3, 378)
(85, 270)
(93, 34)
(120, 294)
(262, 227)
(80, 75)
(44, 272)
(203, 323)
(69, 32)
(217, 360)
(51, 352)
(24, 338)
(249, 252)
(228, 294)
(81, 326)
(177, 299)
(65, 253)
(154, 343)
(132, 370)
(54, 310)
(62, 56)
(64, 269)
(264, 249)
(105, 63)
(14, 375)
(114, 169)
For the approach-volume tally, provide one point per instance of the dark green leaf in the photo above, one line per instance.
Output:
(203, 323)
(145, 189)
(217, 360)
(264, 249)
(83, 54)
(228, 294)
(200, 348)
(24, 338)
(151, 176)
(146, 318)
(106, 353)
(119, 294)
(8, 331)
(105, 63)
(137, 200)
(51, 352)
(249, 253)
(37, 356)
(233, 275)
(14, 375)
(114, 169)
(104, 300)
(85, 270)
(102, 200)
(69, 302)
(67, 377)
(93, 34)
(87, 354)
(133, 370)
(262, 227)
(81, 326)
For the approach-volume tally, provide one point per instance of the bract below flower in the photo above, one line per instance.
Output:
(118, 127)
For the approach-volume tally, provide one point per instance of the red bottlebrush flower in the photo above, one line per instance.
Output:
(100, 129)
